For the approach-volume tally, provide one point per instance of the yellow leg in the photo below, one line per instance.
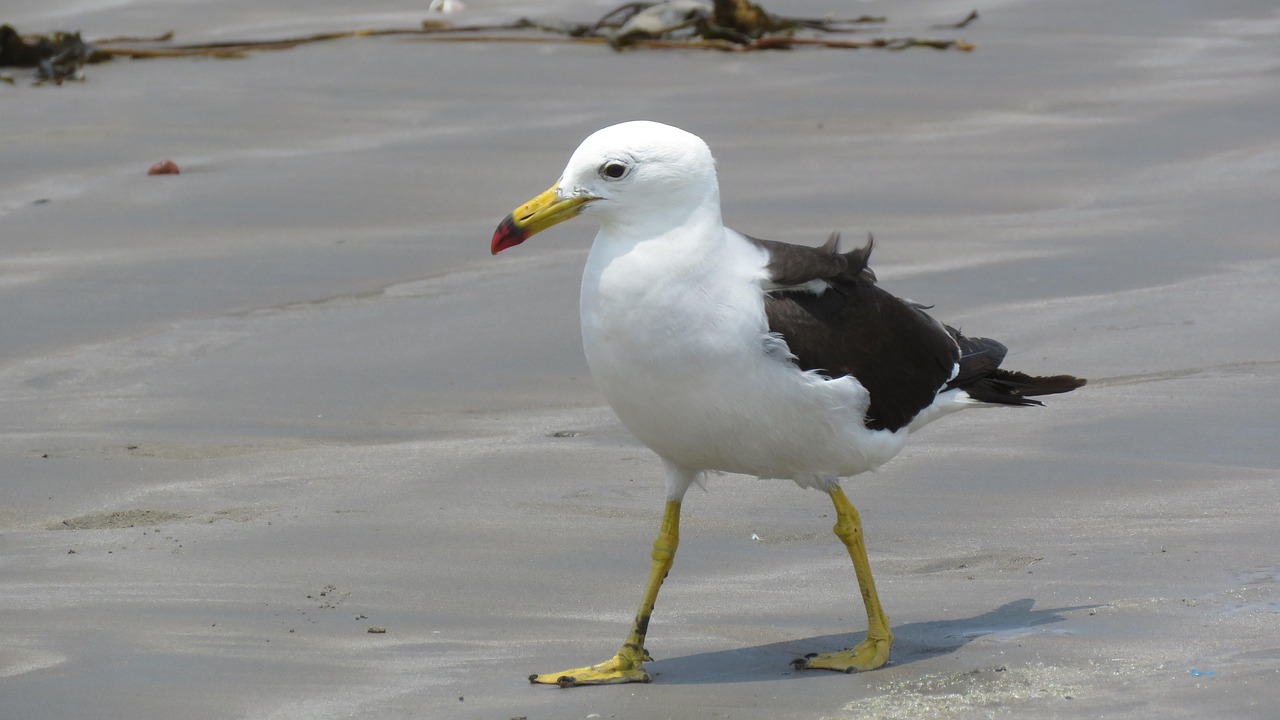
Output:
(874, 651)
(627, 665)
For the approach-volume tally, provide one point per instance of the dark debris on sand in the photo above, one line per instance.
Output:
(725, 25)
(56, 56)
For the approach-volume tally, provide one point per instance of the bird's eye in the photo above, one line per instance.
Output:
(613, 170)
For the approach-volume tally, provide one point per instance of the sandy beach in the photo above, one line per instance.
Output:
(254, 410)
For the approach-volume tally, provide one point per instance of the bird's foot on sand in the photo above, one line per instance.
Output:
(625, 667)
(866, 655)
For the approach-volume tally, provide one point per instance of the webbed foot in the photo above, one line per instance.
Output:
(866, 655)
(625, 667)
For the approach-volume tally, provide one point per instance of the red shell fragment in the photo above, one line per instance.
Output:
(164, 167)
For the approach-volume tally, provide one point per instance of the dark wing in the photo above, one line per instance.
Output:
(982, 377)
(901, 355)
(896, 351)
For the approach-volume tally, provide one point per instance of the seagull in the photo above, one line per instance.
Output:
(726, 353)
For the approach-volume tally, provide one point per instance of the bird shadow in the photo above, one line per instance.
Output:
(913, 642)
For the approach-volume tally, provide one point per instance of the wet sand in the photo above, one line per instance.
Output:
(253, 410)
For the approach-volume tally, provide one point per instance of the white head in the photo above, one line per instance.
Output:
(630, 176)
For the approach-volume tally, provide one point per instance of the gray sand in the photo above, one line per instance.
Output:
(253, 410)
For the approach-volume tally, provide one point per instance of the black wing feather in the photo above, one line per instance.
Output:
(982, 377)
(897, 351)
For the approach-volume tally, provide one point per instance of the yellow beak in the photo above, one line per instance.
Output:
(535, 216)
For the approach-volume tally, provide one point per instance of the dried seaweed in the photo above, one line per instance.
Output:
(56, 56)
(726, 25)
(968, 20)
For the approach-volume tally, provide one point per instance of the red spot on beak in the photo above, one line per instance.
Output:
(507, 235)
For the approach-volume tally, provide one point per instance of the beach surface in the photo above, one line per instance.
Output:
(254, 413)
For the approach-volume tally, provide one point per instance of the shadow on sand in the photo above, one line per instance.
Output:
(912, 642)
